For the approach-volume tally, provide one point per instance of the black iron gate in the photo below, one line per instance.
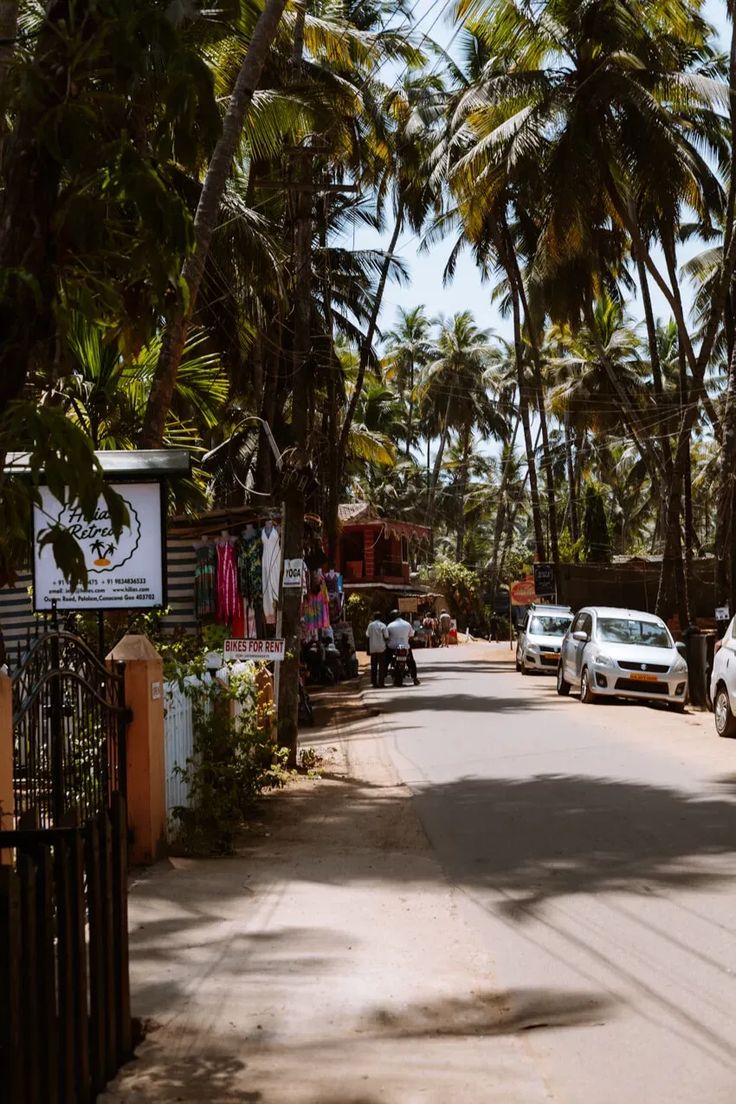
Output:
(69, 723)
(64, 990)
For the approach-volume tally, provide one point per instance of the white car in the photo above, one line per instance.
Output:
(540, 637)
(723, 684)
(621, 653)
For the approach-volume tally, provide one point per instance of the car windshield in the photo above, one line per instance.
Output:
(625, 630)
(550, 626)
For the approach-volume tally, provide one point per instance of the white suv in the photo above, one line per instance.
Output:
(539, 639)
(621, 653)
(723, 684)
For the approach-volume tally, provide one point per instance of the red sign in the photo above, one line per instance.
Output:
(524, 592)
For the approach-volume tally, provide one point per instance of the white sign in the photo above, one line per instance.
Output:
(125, 572)
(723, 613)
(273, 650)
(293, 573)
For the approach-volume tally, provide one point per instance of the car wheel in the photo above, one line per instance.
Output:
(677, 707)
(563, 686)
(725, 720)
(518, 663)
(587, 696)
(523, 669)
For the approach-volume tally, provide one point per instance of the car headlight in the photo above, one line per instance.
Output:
(604, 660)
(679, 667)
(533, 649)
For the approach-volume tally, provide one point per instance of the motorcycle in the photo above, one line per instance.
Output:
(399, 665)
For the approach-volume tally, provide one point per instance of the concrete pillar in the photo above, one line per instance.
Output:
(7, 800)
(146, 772)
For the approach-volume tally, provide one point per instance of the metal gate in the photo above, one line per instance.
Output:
(69, 724)
(64, 990)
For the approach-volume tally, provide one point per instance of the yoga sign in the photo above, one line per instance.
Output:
(125, 572)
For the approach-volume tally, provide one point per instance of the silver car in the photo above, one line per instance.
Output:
(621, 653)
(539, 639)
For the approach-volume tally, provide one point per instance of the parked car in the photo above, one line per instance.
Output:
(622, 653)
(723, 684)
(540, 636)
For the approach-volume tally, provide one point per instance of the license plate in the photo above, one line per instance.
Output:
(637, 676)
(549, 655)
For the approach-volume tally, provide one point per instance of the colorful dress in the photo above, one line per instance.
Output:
(227, 582)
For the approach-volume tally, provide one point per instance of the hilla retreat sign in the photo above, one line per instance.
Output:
(125, 572)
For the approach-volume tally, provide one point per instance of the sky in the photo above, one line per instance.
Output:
(466, 290)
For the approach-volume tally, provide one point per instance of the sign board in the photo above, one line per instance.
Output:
(408, 605)
(125, 572)
(293, 573)
(273, 650)
(544, 579)
(524, 593)
(723, 613)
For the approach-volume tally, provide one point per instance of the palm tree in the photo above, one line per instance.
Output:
(407, 352)
(453, 384)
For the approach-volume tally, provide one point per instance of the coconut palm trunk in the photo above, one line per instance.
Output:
(466, 437)
(205, 219)
(539, 544)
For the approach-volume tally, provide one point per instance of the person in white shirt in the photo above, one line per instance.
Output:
(400, 633)
(377, 635)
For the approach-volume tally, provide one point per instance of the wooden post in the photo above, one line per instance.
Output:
(146, 772)
(7, 800)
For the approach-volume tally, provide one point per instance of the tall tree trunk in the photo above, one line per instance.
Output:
(205, 220)
(502, 509)
(297, 462)
(539, 545)
(367, 343)
(517, 277)
(463, 489)
(726, 484)
(570, 465)
(411, 406)
(437, 469)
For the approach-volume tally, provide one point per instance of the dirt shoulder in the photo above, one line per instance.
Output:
(327, 962)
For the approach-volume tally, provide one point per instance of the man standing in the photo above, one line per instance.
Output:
(377, 635)
(445, 626)
(400, 633)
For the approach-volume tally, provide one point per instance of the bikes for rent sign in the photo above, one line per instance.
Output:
(124, 572)
(273, 650)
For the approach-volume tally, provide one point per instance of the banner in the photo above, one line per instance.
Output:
(272, 650)
(125, 572)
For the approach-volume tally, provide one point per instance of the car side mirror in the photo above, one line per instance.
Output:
(581, 635)
(681, 647)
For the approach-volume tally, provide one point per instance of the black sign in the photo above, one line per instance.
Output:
(544, 580)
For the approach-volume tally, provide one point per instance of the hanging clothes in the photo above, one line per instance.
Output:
(270, 568)
(227, 582)
(205, 596)
(316, 607)
(249, 554)
(334, 589)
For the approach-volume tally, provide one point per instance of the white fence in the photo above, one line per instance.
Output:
(178, 744)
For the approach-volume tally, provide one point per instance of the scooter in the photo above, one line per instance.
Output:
(399, 665)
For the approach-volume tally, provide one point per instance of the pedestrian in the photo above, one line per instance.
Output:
(377, 634)
(445, 626)
(400, 633)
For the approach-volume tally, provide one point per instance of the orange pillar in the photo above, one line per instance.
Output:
(144, 696)
(7, 800)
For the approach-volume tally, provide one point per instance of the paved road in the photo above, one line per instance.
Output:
(597, 848)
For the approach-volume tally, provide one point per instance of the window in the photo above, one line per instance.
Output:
(549, 625)
(624, 630)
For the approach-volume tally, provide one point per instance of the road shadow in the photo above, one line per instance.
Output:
(493, 1013)
(409, 702)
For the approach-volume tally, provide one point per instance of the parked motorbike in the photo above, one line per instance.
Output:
(399, 665)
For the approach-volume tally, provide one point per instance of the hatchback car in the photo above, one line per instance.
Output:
(540, 637)
(622, 653)
(723, 683)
